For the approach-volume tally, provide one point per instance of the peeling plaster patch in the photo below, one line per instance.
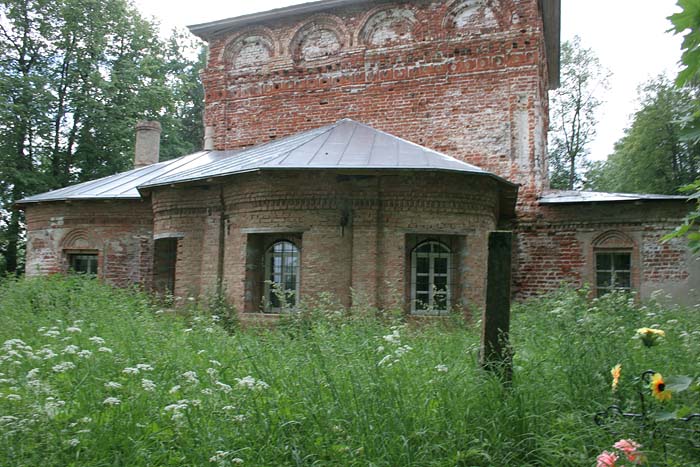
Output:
(474, 14)
(318, 43)
(389, 26)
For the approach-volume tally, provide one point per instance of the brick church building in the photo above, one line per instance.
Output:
(365, 149)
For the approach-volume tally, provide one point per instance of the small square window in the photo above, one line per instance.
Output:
(83, 263)
(613, 272)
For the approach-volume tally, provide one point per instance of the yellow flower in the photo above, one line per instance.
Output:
(649, 335)
(658, 388)
(651, 332)
(615, 372)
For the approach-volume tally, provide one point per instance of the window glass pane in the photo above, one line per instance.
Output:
(84, 264)
(422, 301)
(422, 284)
(621, 261)
(603, 261)
(283, 273)
(440, 302)
(622, 280)
(422, 264)
(440, 265)
(424, 248)
(603, 279)
(440, 283)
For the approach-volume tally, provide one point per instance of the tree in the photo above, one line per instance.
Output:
(573, 107)
(688, 22)
(75, 76)
(653, 156)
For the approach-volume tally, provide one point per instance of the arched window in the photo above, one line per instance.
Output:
(430, 278)
(281, 276)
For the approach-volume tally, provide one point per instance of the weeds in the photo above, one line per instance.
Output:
(91, 375)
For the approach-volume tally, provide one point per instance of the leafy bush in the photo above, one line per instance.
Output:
(90, 375)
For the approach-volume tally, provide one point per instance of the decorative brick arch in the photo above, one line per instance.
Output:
(387, 25)
(613, 239)
(465, 17)
(253, 47)
(319, 40)
(78, 239)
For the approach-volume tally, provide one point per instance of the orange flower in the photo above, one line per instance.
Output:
(615, 372)
(658, 388)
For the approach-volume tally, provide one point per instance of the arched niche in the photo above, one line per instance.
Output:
(387, 26)
(473, 16)
(320, 39)
(613, 239)
(250, 49)
(77, 239)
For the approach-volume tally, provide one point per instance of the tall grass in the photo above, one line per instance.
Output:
(143, 387)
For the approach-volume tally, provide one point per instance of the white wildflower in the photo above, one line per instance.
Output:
(33, 374)
(148, 385)
(111, 401)
(207, 391)
(380, 349)
(251, 383)
(441, 368)
(385, 360)
(393, 338)
(236, 460)
(209, 329)
(63, 367)
(212, 372)
(215, 362)
(73, 442)
(130, 371)
(104, 350)
(13, 397)
(238, 418)
(144, 367)
(52, 333)
(228, 407)
(174, 389)
(219, 456)
(71, 349)
(74, 329)
(53, 406)
(113, 385)
(47, 354)
(97, 340)
(191, 377)
(6, 419)
(223, 387)
(85, 354)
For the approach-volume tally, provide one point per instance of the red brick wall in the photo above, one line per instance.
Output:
(560, 247)
(120, 232)
(467, 82)
(369, 254)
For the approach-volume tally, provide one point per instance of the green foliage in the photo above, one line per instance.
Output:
(688, 22)
(75, 77)
(572, 109)
(347, 391)
(653, 156)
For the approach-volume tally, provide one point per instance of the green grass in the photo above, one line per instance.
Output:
(322, 398)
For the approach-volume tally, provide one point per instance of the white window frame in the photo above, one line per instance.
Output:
(445, 252)
(600, 291)
(269, 280)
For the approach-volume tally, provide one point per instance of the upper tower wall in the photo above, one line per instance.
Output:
(465, 77)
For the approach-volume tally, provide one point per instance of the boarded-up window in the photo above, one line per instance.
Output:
(164, 262)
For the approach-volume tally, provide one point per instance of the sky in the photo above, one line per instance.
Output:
(629, 37)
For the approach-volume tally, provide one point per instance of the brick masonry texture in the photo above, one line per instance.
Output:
(467, 78)
(369, 254)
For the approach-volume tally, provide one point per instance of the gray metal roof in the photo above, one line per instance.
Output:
(569, 197)
(123, 185)
(346, 144)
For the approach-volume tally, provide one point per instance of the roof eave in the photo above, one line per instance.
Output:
(208, 30)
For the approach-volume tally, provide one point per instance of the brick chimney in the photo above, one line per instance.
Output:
(147, 150)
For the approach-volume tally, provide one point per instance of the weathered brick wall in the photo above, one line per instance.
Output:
(462, 77)
(560, 247)
(120, 232)
(368, 255)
